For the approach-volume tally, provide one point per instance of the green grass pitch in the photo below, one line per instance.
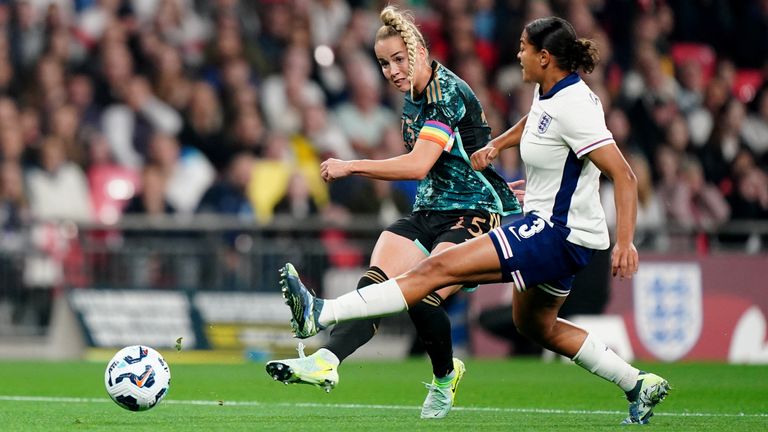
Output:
(520, 395)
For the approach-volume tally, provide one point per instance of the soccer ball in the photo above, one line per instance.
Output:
(137, 378)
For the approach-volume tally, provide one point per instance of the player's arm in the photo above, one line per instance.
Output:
(410, 166)
(510, 138)
(609, 160)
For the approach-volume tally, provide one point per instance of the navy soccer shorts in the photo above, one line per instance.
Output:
(536, 253)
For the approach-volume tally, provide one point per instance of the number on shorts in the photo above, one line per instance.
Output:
(525, 231)
(476, 228)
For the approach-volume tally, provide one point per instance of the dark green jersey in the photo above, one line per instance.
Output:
(449, 114)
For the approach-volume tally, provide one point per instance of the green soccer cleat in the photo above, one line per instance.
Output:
(305, 307)
(440, 398)
(314, 369)
(650, 391)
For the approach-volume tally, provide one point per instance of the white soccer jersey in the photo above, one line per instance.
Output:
(562, 186)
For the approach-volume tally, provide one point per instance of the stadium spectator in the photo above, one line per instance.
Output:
(170, 81)
(724, 144)
(14, 210)
(58, 189)
(80, 96)
(749, 202)
(677, 137)
(12, 146)
(701, 120)
(690, 94)
(692, 202)
(248, 133)
(284, 95)
(129, 125)
(65, 125)
(111, 185)
(204, 125)
(327, 21)
(324, 134)
(228, 195)
(187, 171)
(297, 202)
(151, 199)
(363, 118)
(755, 128)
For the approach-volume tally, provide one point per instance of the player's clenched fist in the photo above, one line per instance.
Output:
(483, 157)
(333, 169)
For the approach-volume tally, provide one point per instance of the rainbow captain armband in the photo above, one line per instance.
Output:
(437, 132)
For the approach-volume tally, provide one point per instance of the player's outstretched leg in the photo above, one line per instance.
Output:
(319, 369)
(442, 393)
(649, 391)
(305, 307)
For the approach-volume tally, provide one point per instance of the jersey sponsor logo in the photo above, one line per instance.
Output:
(668, 308)
(544, 121)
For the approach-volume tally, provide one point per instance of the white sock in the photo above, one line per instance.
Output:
(597, 358)
(367, 302)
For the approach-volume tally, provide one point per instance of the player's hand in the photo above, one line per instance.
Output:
(624, 261)
(515, 188)
(333, 169)
(483, 157)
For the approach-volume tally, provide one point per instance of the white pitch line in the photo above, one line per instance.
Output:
(374, 406)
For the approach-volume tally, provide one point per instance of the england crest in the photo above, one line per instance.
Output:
(544, 122)
(668, 308)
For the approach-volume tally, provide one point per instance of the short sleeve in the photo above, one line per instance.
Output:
(583, 127)
(444, 109)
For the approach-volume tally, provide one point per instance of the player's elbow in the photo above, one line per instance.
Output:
(631, 178)
(624, 177)
(418, 172)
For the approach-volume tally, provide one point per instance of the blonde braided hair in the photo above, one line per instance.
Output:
(400, 23)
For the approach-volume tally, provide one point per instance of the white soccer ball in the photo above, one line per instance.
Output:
(137, 378)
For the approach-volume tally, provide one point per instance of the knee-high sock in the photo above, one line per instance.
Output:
(377, 300)
(434, 330)
(348, 336)
(597, 358)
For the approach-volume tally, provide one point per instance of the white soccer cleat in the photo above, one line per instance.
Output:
(650, 391)
(440, 398)
(314, 369)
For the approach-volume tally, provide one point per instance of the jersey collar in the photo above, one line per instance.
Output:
(570, 79)
(435, 66)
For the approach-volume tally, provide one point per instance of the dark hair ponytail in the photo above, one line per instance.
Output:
(557, 36)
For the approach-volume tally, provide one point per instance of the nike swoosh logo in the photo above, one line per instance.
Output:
(143, 378)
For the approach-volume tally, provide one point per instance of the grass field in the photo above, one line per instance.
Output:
(521, 395)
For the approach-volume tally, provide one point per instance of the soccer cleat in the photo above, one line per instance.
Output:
(440, 398)
(305, 307)
(650, 390)
(313, 369)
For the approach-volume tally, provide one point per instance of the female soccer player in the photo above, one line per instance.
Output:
(565, 145)
(442, 124)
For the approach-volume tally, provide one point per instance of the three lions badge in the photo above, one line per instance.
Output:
(544, 122)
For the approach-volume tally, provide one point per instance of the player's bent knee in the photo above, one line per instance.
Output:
(530, 327)
(433, 269)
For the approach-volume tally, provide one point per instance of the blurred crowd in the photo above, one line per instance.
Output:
(114, 107)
